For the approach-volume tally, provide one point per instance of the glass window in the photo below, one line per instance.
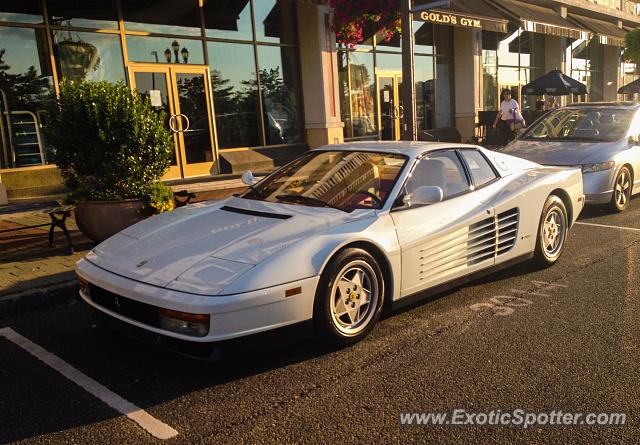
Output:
(23, 11)
(25, 80)
(391, 62)
(235, 94)
(441, 169)
(83, 13)
(275, 21)
(280, 85)
(490, 87)
(164, 50)
(481, 171)
(347, 180)
(228, 19)
(423, 37)
(162, 16)
(362, 94)
(444, 96)
(343, 92)
(507, 50)
(88, 56)
(425, 92)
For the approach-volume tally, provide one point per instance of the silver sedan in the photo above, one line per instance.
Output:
(601, 138)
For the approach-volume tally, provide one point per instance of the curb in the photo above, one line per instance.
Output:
(40, 298)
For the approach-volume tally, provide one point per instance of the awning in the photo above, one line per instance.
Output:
(607, 33)
(541, 19)
(630, 88)
(466, 14)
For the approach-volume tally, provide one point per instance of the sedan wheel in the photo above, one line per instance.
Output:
(552, 231)
(349, 298)
(621, 190)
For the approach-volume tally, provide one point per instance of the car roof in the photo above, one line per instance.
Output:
(407, 148)
(629, 105)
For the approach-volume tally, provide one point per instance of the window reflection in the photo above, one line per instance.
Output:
(193, 104)
(25, 80)
(88, 56)
(83, 13)
(23, 11)
(164, 50)
(280, 85)
(423, 37)
(230, 19)
(275, 21)
(235, 94)
(425, 92)
(162, 16)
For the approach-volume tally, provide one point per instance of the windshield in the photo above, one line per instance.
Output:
(346, 180)
(582, 124)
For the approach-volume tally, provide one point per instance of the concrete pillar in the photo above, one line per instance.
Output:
(467, 80)
(611, 73)
(3, 193)
(318, 65)
(553, 55)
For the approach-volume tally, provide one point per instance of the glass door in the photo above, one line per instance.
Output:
(183, 94)
(391, 111)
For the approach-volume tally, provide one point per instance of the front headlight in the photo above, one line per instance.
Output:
(600, 166)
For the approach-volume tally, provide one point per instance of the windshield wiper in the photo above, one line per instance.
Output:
(308, 199)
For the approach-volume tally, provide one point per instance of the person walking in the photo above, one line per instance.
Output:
(509, 110)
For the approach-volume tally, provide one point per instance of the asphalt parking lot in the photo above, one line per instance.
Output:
(565, 338)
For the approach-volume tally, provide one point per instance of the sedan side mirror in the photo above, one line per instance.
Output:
(634, 140)
(248, 178)
(425, 195)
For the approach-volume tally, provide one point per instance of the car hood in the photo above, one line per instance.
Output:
(559, 152)
(204, 247)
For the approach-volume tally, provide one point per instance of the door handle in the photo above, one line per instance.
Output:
(400, 111)
(171, 118)
(188, 123)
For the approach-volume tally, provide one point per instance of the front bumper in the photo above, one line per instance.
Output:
(598, 186)
(231, 316)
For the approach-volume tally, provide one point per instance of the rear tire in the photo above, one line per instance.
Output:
(349, 297)
(621, 190)
(552, 232)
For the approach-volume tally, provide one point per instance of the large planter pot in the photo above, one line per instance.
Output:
(98, 220)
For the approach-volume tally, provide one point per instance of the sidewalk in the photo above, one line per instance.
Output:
(26, 260)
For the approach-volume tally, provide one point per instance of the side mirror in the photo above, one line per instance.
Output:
(248, 178)
(634, 140)
(425, 195)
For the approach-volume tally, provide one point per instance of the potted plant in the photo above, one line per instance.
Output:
(112, 148)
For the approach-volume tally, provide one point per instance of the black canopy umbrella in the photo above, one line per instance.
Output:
(630, 88)
(555, 83)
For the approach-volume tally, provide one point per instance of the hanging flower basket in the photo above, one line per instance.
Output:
(351, 17)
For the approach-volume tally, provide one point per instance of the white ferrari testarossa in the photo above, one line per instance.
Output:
(328, 240)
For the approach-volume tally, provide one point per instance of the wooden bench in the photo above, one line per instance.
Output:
(58, 217)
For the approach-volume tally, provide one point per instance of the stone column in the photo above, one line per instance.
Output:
(467, 78)
(611, 73)
(318, 66)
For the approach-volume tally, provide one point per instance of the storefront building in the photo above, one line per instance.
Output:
(260, 81)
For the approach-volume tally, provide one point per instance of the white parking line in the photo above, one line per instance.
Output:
(634, 229)
(152, 425)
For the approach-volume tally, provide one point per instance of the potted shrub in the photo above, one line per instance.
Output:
(111, 147)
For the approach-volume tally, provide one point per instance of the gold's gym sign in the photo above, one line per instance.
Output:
(449, 19)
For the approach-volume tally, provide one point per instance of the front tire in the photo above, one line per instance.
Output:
(349, 298)
(621, 190)
(552, 232)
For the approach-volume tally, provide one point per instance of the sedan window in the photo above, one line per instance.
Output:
(441, 169)
(582, 124)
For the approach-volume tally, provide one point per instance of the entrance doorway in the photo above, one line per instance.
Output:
(183, 93)
(390, 109)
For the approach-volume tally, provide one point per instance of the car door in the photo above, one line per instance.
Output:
(452, 238)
